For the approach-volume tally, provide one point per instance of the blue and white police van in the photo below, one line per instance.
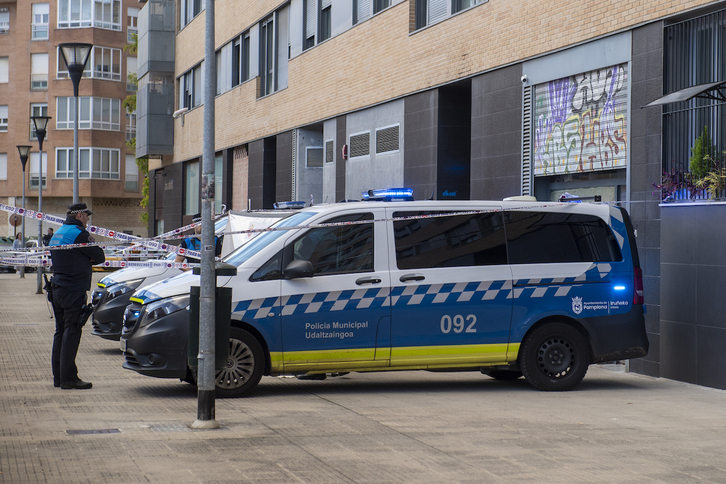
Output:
(508, 288)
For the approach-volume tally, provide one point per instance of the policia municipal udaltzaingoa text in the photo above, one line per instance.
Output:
(67, 291)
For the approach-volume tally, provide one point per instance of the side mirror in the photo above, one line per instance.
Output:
(297, 269)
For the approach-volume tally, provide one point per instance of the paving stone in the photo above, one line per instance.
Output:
(393, 427)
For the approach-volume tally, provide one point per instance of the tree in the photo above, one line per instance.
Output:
(701, 155)
(130, 105)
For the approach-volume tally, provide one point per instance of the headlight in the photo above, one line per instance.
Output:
(162, 307)
(117, 289)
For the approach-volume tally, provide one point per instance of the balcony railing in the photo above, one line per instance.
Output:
(33, 181)
(38, 81)
(132, 183)
(40, 31)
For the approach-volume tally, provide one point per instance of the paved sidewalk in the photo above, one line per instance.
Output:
(360, 428)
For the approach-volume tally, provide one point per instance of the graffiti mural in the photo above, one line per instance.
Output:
(580, 122)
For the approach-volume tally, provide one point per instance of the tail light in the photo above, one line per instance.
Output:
(637, 286)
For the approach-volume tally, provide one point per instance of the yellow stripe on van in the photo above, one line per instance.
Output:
(100, 285)
(357, 354)
(401, 358)
(454, 354)
(513, 351)
(136, 299)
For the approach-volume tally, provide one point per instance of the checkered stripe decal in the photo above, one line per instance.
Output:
(424, 294)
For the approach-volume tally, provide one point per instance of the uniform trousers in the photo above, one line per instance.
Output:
(67, 307)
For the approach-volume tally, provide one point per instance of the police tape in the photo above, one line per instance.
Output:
(153, 243)
(38, 260)
(103, 232)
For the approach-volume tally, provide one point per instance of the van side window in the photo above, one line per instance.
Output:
(453, 241)
(337, 250)
(270, 270)
(552, 237)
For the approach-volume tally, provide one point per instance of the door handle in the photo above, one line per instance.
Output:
(367, 280)
(412, 277)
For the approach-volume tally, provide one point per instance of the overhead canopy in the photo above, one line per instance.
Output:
(712, 90)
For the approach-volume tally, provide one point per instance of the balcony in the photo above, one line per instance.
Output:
(132, 183)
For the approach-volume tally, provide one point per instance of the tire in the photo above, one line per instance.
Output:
(554, 357)
(504, 374)
(245, 365)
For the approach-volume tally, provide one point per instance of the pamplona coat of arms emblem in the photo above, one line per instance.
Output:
(577, 305)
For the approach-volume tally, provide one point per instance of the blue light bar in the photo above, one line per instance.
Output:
(619, 288)
(289, 205)
(388, 195)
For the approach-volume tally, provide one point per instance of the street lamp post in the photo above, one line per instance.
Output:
(24, 151)
(41, 123)
(75, 56)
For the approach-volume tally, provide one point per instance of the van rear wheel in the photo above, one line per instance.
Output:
(244, 367)
(554, 357)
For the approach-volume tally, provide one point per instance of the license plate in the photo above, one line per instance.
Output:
(123, 345)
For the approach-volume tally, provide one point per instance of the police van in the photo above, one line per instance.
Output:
(508, 288)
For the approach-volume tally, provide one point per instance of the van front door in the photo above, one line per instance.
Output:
(451, 289)
(335, 312)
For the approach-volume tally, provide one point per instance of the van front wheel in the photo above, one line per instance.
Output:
(554, 357)
(245, 364)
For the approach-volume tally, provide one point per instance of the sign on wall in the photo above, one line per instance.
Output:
(580, 122)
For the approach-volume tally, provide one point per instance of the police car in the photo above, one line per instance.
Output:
(112, 293)
(508, 288)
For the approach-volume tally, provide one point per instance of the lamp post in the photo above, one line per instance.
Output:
(75, 56)
(40, 123)
(24, 152)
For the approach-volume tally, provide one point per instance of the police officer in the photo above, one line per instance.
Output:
(71, 280)
(195, 243)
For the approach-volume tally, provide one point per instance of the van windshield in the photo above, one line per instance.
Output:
(242, 254)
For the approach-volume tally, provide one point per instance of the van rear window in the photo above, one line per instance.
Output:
(552, 237)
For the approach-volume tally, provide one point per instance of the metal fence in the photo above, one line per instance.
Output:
(694, 131)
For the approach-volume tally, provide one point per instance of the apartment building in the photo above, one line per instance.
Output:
(458, 99)
(34, 81)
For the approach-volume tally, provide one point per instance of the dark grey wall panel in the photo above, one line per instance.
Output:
(693, 306)
(283, 174)
(269, 172)
(420, 126)
(711, 296)
(711, 357)
(256, 175)
(496, 134)
(678, 339)
(453, 154)
(341, 140)
(646, 77)
(678, 293)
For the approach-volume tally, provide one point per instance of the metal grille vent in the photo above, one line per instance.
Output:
(314, 157)
(329, 158)
(387, 139)
(527, 141)
(360, 145)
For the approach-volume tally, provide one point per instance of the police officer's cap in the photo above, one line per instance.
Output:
(78, 208)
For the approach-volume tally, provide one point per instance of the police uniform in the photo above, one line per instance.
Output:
(195, 243)
(71, 279)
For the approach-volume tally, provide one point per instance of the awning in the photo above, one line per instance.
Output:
(712, 90)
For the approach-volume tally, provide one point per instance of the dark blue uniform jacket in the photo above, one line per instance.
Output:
(72, 267)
